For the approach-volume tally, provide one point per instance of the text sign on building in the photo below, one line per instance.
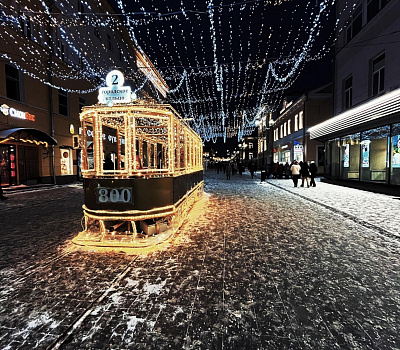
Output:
(115, 92)
(16, 113)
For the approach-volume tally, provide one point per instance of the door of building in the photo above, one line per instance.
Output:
(4, 166)
(28, 164)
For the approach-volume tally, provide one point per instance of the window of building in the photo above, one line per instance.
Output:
(296, 122)
(61, 49)
(374, 6)
(276, 136)
(63, 102)
(285, 129)
(289, 122)
(13, 83)
(355, 24)
(82, 103)
(378, 74)
(96, 32)
(251, 145)
(109, 42)
(81, 10)
(26, 26)
(301, 120)
(251, 155)
(348, 93)
(281, 131)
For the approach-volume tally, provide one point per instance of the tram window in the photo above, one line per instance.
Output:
(110, 142)
(152, 156)
(145, 155)
(89, 146)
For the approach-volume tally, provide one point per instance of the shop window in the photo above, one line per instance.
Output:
(355, 24)
(374, 154)
(63, 102)
(378, 74)
(348, 93)
(350, 157)
(332, 158)
(13, 83)
(320, 156)
(395, 155)
(66, 162)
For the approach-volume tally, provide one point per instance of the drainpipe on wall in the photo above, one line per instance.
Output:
(304, 128)
(50, 80)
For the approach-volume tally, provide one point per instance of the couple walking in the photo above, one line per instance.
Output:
(305, 172)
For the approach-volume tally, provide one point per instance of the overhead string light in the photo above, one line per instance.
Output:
(224, 62)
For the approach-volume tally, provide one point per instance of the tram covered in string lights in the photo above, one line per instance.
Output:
(142, 167)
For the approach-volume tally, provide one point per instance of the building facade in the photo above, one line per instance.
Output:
(53, 60)
(291, 140)
(362, 141)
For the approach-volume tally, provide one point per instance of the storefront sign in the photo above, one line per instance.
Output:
(115, 92)
(15, 113)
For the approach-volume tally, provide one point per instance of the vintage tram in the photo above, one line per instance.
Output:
(142, 167)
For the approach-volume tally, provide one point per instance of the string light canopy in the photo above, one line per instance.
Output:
(224, 62)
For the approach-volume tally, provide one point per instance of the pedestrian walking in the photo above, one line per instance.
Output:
(275, 170)
(295, 169)
(305, 173)
(252, 169)
(313, 173)
(287, 170)
(228, 171)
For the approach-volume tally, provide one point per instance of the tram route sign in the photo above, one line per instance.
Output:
(115, 92)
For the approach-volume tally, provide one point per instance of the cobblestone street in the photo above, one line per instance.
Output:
(255, 266)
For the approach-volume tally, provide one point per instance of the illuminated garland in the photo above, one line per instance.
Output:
(228, 76)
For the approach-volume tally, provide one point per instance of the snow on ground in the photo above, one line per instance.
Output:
(255, 266)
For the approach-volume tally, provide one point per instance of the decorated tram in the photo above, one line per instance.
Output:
(142, 166)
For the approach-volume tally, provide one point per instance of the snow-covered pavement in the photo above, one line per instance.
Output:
(255, 266)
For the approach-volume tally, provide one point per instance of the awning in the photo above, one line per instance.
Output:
(27, 135)
(382, 106)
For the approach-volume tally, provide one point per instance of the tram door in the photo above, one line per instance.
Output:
(28, 164)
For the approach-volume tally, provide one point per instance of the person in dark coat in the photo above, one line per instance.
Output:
(108, 163)
(228, 171)
(305, 174)
(313, 173)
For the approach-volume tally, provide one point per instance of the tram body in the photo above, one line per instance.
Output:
(143, 169)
